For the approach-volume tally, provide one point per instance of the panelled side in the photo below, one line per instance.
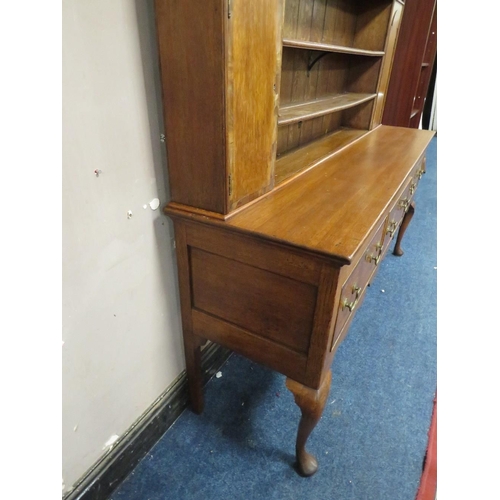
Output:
(253, 80)
(192, 60)
(264, 301)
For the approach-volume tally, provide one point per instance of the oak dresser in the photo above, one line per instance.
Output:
(286, 191)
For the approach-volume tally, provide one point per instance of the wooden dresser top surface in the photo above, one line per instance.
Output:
(333, 207)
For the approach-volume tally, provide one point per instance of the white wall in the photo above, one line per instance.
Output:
(121, 320)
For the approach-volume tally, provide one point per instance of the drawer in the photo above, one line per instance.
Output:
(398, 211)
(419, 170)
(354, 287)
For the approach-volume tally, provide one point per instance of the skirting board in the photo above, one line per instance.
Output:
(104, 477)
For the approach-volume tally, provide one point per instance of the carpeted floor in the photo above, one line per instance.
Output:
(372, 437)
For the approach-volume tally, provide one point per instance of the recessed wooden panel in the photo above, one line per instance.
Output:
(192, 71)
(264, 303)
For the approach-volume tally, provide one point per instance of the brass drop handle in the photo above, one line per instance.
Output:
(404, 204)
(375, 258)
(351, 305)
(391, 228)
(413, 187)
(420, 173)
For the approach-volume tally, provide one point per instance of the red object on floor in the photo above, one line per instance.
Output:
(428, 482)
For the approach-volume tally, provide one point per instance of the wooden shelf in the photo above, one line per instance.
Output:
(310, 155)
(325, 47)
(296, 112)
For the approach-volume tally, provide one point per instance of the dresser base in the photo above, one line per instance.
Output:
(281, 281)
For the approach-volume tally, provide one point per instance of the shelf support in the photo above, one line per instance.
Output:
(315, 60)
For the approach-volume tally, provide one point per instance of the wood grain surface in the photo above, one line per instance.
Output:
(252, 86)
(193, 100)
(332, 207)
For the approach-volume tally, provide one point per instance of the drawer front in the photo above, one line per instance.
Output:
(354, 288)
(355, 285)
(400, 208)
(419, 170)
(398, 211)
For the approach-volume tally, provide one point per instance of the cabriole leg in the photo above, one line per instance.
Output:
(406, 220)
(311, 403)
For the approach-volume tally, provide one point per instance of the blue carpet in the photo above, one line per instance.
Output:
(372, 437)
